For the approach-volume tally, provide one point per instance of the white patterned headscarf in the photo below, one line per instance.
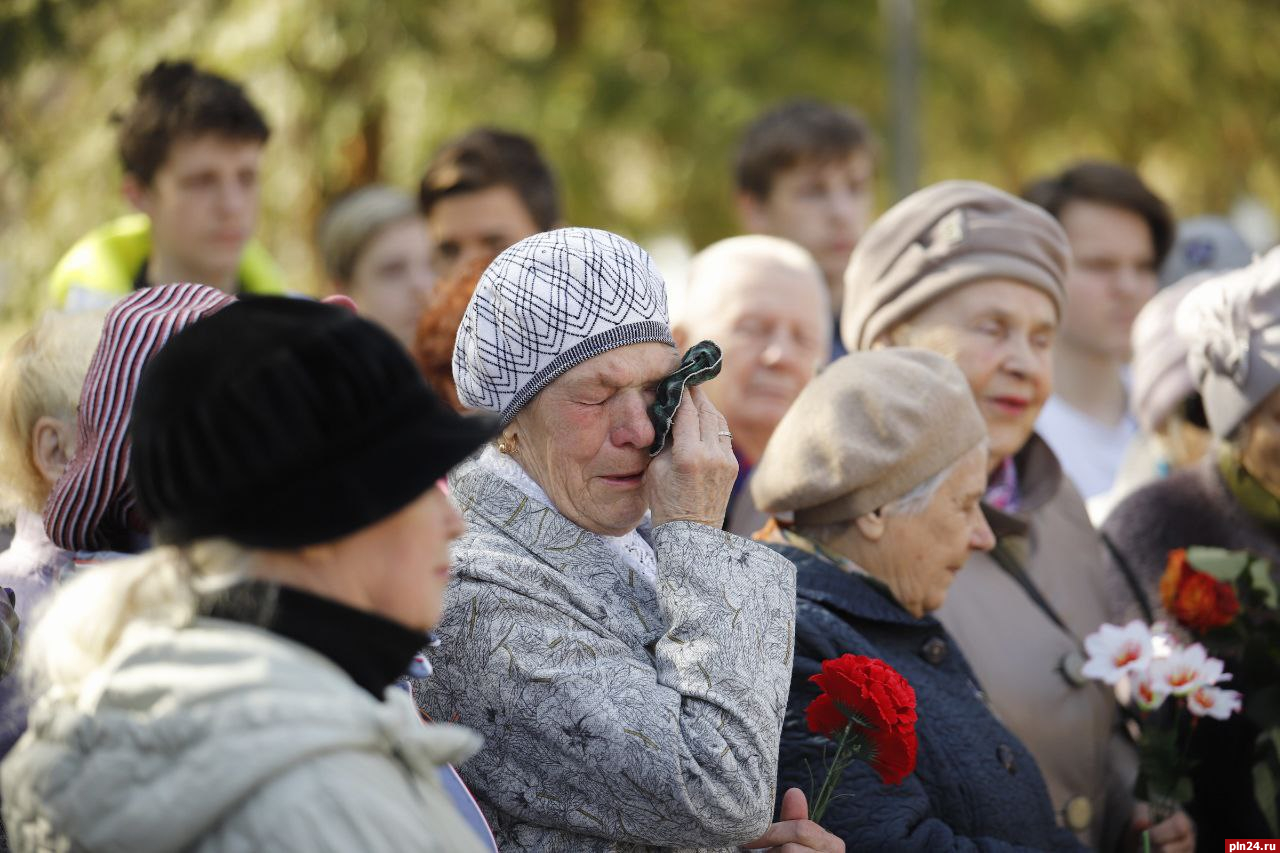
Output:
(549, 303)
(1232, 327)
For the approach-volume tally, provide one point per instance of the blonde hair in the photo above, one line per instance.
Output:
(41, 376)
(77, 631)
(353, 221)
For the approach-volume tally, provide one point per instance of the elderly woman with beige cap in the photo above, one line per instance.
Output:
(626, 659)
(881, 465)
(975, 274)
(1231, 499)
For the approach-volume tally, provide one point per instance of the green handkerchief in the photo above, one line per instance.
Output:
(700, 363)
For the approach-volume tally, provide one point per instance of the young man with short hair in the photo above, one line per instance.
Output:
(482, 192)
(804, 172)
(1120, 232)
(191, 146)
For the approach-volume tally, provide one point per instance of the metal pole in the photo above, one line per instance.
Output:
(904, 140)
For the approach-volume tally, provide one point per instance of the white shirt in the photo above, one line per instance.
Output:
(1090, 451)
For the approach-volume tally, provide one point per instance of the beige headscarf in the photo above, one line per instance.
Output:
(1232, 327)
(940, 238)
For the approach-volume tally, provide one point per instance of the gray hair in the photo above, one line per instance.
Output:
(753, 249)
(922, 494)
(707, 268)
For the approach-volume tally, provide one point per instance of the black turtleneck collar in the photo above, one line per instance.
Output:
(373, 650)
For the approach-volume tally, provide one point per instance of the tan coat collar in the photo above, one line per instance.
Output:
(1039, 478)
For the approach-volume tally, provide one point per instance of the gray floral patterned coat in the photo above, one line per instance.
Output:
(616, 717)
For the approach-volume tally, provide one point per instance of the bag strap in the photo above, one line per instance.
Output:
(1007, 561)
(1131, 579)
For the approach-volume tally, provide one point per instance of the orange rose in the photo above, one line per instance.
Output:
(1174, 569)
(1196, 599)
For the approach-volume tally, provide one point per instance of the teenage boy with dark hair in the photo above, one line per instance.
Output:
(804, 172)
(1120, 232)
(191, 145)
(482, 192)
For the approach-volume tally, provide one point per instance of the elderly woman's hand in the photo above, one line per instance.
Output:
(693, 479)
(795, 833)
(1175, 834)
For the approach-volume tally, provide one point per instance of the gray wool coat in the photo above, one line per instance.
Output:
(616, 716)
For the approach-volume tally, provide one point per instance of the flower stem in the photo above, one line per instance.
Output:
(823, 798)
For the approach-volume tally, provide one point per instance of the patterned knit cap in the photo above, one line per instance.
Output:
(92, 507)
(549, 303)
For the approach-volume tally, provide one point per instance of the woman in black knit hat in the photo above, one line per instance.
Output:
(233, 689)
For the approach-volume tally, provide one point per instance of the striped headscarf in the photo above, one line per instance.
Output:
(92, 506)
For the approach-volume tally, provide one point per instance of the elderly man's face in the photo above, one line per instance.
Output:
(1000, 333)
(919, 555)
(773, 325)
(585, 438)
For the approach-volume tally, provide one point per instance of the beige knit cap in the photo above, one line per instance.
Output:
(869, 429)
(940, 238)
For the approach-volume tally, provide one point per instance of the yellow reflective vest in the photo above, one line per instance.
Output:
(103, 265)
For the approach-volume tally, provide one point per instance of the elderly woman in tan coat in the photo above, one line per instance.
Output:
(977, 275)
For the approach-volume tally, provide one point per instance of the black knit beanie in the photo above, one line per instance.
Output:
(279, 423)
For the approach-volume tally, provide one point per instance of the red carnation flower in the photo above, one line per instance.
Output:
(869, 709)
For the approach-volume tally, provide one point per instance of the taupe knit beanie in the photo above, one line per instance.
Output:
(944, 236)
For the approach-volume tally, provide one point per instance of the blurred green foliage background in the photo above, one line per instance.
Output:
(637, 103)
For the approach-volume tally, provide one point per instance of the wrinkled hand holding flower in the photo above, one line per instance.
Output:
(869, 710)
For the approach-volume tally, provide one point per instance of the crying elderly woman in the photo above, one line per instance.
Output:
(626, 659)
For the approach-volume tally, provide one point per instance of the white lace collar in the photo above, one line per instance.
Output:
(632, 548)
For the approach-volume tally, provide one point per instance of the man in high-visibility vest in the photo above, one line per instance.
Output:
(191, 145)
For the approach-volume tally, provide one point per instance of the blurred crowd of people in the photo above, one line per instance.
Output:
(396, 570)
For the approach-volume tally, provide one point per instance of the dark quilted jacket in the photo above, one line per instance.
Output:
(975, 786)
